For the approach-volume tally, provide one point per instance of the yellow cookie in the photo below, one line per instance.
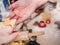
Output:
(13, 22)
(5, 19)
(13, 43)
(2, 25)
(9, 22)
(46, 15)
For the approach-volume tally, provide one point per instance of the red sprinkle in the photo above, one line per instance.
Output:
(48, 21)
(42, 24)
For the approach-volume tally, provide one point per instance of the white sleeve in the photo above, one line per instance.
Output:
(4, 12)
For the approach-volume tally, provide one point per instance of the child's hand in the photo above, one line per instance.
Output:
(6, 34)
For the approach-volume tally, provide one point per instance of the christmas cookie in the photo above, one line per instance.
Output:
(8, 22)
(46, 15)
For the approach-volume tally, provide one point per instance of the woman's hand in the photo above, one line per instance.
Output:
(24, 8)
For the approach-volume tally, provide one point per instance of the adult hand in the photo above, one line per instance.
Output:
(24, 8)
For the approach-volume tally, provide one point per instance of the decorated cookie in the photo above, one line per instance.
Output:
(14, 43)
(8, 22)
(21, 42)
(46, 15)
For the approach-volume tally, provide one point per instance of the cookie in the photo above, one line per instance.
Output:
(8, 22)
(46, 15)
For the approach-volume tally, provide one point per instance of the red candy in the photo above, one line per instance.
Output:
(42, 24)
(48, 21)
